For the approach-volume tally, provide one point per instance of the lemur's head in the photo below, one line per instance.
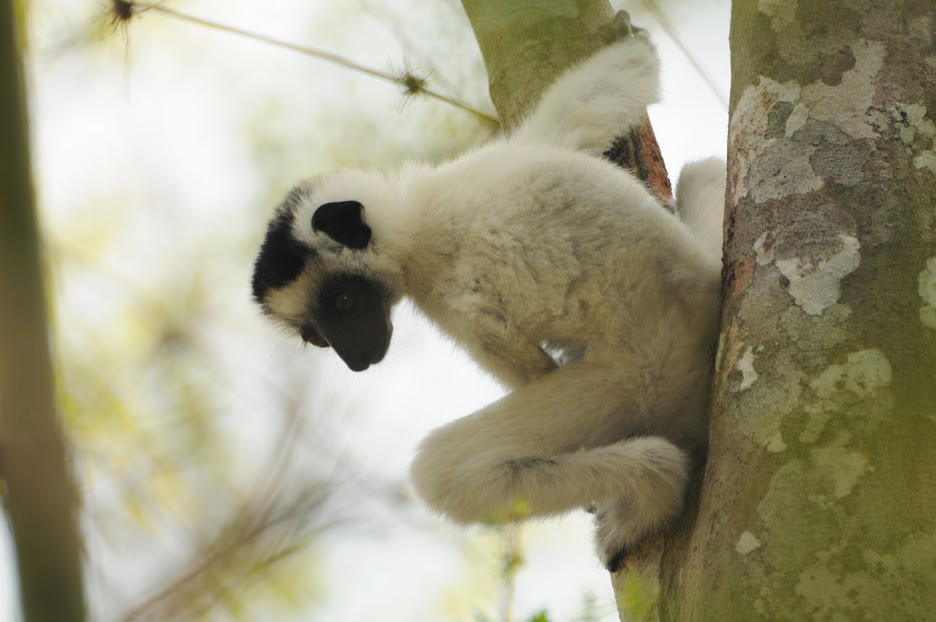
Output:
(321, 273)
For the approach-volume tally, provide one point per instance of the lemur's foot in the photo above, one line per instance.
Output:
(617, 532)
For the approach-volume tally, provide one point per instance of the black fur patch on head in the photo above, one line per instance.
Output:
(282, 256)
(344, 223)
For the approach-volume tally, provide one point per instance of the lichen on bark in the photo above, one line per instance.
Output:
(819, 500)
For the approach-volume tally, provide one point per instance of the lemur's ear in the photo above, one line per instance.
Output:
(343, 222)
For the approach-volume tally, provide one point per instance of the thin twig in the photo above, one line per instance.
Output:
(511, 560)
(243, 533)
(669, 30)
(405, 80)
(256, 517)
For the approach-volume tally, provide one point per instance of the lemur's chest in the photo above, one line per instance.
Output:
(519, 294)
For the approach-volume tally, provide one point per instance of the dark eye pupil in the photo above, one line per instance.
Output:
(310, 336)
(344, 302)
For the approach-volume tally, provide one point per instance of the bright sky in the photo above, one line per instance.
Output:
(167, 133)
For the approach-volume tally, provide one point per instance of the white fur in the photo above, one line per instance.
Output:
(611, 90)
(533, 245)
(700, 200)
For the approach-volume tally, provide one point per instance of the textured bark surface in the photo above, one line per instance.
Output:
(39, 498)
(526, 44)
(819, 497)
(639, 152)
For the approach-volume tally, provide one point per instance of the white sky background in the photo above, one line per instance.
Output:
(163, 143)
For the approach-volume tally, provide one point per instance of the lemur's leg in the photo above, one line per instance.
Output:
(599, 99)
(563, 441)
(700, 199)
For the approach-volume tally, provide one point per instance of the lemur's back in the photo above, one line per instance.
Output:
(541, 228)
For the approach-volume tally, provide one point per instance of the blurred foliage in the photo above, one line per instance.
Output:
(195, 507)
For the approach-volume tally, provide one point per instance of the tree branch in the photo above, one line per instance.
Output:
(122, 11)
(40, 500)
(526, 46)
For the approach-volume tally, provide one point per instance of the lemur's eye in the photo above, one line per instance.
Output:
(310, 336)
(344, 302)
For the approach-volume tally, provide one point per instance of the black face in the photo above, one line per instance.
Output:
(352, 314)
(348, 311)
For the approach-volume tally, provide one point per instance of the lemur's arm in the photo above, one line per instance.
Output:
(603, 97)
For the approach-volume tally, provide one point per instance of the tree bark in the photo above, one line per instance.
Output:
(819, 496)
(39, 497)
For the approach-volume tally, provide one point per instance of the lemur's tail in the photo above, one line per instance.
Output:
(700, 199)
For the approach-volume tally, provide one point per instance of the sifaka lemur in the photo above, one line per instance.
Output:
(560, 274)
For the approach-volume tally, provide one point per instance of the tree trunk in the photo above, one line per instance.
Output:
(39, 497)
(819, 497)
